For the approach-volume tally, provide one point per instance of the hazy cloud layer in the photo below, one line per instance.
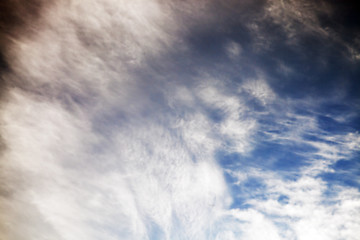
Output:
(180, 120)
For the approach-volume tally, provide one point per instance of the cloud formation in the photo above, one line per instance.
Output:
(120, 121)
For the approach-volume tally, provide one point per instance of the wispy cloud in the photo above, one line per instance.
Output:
(300, 205)
(113, 129)
(104, 153)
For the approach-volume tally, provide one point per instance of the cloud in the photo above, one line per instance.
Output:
(309, 208)
(260, 90)
(295, 200)
(112, 130)
(102, 152)
(233, 49)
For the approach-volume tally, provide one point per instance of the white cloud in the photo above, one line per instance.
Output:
(236, 125)
(259, 89)
(233, 49)
(303, 206)
(258, 227)
(100, 158)
(311, 208)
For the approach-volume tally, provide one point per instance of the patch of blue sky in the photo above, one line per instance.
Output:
(215, 115)
(254, 186)
(270, 156)
(335, 108)
(154, 230)
(276, 125)
(355, 123)
(245, 191)
(277, 157)
(254, 104)
(331, 125)
(283, 199)
(340, 178)
(228, 160)
(345, 172)
(318, 138)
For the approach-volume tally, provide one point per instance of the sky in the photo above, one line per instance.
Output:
(179, 120)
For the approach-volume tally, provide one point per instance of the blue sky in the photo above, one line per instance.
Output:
(151, 120)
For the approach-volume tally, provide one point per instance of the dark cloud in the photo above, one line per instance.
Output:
(18, 14)
(18, 18)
